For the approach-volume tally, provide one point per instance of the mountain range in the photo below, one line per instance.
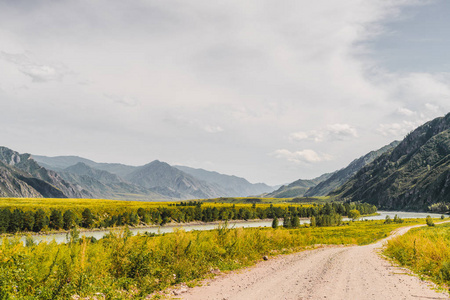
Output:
(326, 183)
(297, 188)
(21, 176)
(411, 174)
(341, 176)
(155, 180)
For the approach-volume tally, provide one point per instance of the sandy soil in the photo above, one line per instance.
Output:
(355, 272)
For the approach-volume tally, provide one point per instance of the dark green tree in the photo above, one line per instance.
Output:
(40, 220)
(295, 222)
(28, 221)
(56, 219)
(69, 219)
(275, 223)
(16, 220)
(87, 219)
(5, 215)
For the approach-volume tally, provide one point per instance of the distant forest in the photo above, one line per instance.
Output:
(17, 220)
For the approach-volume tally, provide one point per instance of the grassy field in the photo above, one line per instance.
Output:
(122, 267)
(105, 205)
(111, 207)
(424, 250)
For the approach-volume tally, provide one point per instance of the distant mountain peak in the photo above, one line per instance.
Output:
(231, 185)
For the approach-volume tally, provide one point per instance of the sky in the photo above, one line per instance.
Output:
(267, 90)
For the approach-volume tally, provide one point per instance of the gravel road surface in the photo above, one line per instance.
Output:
(355, 272)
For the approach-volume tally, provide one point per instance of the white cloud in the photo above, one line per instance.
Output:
(38, 72)
(253, 71)
(329, 133)
(128, 101)
(341, 131)
(432, 107)
(298, 136)
(213, 129)
(405, 112)
(302, 156)
(397, 130)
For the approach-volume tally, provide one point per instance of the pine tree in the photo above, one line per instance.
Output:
(56, 219)
(275, 223)
(28, 221)
(16, 220)
(40, 220)
(69, 219)
(5, 215)
(87, 219)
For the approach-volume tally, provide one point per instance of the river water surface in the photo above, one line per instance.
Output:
(62, 237)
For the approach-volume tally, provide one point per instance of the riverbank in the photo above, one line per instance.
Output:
(138, 227)
(136, 266)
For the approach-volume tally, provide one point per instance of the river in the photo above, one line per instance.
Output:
(62, 237)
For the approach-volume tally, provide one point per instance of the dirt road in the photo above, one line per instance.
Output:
(356, 272)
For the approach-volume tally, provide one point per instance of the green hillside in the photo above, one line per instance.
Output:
(412, 176)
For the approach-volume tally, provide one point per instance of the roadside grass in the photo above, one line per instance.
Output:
(425, 250)
(132, 267)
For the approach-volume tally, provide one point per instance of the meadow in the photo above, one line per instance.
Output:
(424, 250)
(120, 266)
(119, 206)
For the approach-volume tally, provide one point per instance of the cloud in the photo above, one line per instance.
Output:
(128, 101)
(399, 129)
(405, 112)
(302, 156)
(213, 129)
(235, 75)
(298, 136)
(339, 132)
(38, 72)
(198, 125)
(432, 107)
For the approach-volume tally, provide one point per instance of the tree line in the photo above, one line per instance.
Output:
(17, 220)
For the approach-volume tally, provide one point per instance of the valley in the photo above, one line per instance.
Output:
(137, 231)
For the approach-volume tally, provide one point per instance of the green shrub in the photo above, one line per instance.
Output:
(275, 223)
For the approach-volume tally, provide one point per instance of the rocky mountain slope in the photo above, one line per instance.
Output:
(170, 181)
(231, 185)
(297, 188)
(341, 176)
(102, 184)
(412, 176)
(59, 163)
(156, 180)
(21, 176)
